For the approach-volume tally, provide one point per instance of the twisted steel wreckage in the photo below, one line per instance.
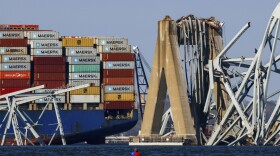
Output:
(231, 94)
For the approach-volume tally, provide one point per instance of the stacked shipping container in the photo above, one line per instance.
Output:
(14, 62)
(118, 73)
(84, 67)
(49, 64)
(44, 63)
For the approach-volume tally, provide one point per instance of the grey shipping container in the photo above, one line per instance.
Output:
(114, 48)
(47, 91)
(47, 52)
(13, 50)
(80, 51)
(81, 82)
(11, 34)
(15, 58)
(84, 98)
(84, 60)
(15, 67)
(42, 35)
(84, 76)
(119, 89)
(45, 44)
(118, 65)
(111, 41)
(58, 99)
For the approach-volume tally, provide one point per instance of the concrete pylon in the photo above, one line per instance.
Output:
(167, 74)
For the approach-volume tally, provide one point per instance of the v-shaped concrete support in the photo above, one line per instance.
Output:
(167, 74)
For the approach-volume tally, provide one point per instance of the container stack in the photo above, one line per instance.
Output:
(118, 73)
(14, 62)
(49, 64)
(84, 67)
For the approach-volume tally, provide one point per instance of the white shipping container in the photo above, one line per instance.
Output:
(80, 51)
(47, 91)
(84, 76)
(43, 52)
(84, 60)
(81, 82)
(45, 44)
(84, 98)
(11, 34)
(15, 67)
(119, 89)
(15, 58)
(58, 99)
(42, 35)
(118, 65)
(111, 41)
(13, 50)
(114, 49)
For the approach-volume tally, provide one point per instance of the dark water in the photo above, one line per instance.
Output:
(125, 150)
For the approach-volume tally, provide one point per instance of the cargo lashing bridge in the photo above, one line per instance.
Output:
(14, 115)
(209, 89)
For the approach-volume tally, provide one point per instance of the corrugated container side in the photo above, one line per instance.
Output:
(84, 60)
(46, 52)
(25, 83)
(119, 105)
(111, 41)
(81, 82)
(119, 89)
(13, 50)
(118, 65)
(86, 91)
(50, 68)
(15, 75)
(15, 67)
(15, 58)
(13, 42)
(117, 56)
(114, 49)
(119, 97)
(81, 51)
(84, 68)
(42, 35)
(49, 60)
(84, 98)
(118, 73)
(11, 34)
(50, 84)
(58, 99)
(45, 44)
(9, 90)
(119, 81)
(84, 76)
(77, 42)
(49, 76)
(47, 91)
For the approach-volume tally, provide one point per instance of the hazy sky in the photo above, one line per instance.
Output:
(137, 20)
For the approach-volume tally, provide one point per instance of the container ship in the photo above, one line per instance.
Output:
(31, 57)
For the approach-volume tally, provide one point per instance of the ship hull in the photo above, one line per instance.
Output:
(79, 126)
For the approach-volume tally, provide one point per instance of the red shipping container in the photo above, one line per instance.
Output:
(50, 68)
(119, 105)
(15, 75)
(117, 57)
(119, 81)
(118, 73)
(9, 90)
(15, 83)
(49, 76)
(13, 42)
(61, 60)
(50, 84)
